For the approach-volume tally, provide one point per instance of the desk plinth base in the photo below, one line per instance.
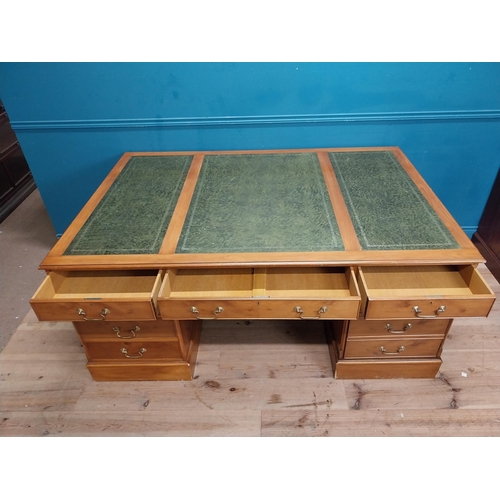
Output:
(109, 371)
(369, 369)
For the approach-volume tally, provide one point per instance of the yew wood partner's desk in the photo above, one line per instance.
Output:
(354, 238)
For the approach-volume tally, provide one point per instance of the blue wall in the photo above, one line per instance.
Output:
(74, 120)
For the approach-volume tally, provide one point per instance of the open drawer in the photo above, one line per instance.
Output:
(207, 294)
(97, 296)
(442, 291)
(307, 293)
(246, 293)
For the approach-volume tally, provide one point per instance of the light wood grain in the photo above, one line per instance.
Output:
(258, 378)
(263, 259)
(173, 232)
(346, 226)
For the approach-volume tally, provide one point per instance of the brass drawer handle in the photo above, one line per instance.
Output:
(105, 311)
(401, 349)
(142, 350)
(418, 312)
(133, 331)
(300, 312)
(390, 330)
(217, 311)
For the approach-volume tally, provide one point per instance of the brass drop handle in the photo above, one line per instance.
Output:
(217, 311)
(401, 349)
(390, 330)
(104, 312)
(300, 312)
(133, 331)
(142, 350)
(418, 312)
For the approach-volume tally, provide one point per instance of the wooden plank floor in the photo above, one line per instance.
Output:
(256, 379)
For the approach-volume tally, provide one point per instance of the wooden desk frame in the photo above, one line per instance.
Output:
(455, 265)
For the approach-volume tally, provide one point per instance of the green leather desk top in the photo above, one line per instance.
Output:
(324, 206)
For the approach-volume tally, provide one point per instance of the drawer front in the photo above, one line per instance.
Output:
(208, 309)
(390, 348)
(112, 330)
(309, 309)
(93, 311)
(267, 293)
(133, 351)
(94, 296)
(378, 328)
(424, 292)
(421, 308)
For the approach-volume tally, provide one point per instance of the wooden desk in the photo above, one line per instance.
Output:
(354, 238)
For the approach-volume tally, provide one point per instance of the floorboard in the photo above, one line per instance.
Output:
(368, 423)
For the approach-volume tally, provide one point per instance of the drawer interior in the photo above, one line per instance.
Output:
(207, 283)
(423, 281)
(98, 284)
(314, 282)
(304, 282)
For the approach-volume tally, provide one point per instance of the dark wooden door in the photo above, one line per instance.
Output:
(487, 236)
(16, 181)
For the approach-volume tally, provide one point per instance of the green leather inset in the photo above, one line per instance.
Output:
(260, 203)
(134, 214)
(387, 209)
